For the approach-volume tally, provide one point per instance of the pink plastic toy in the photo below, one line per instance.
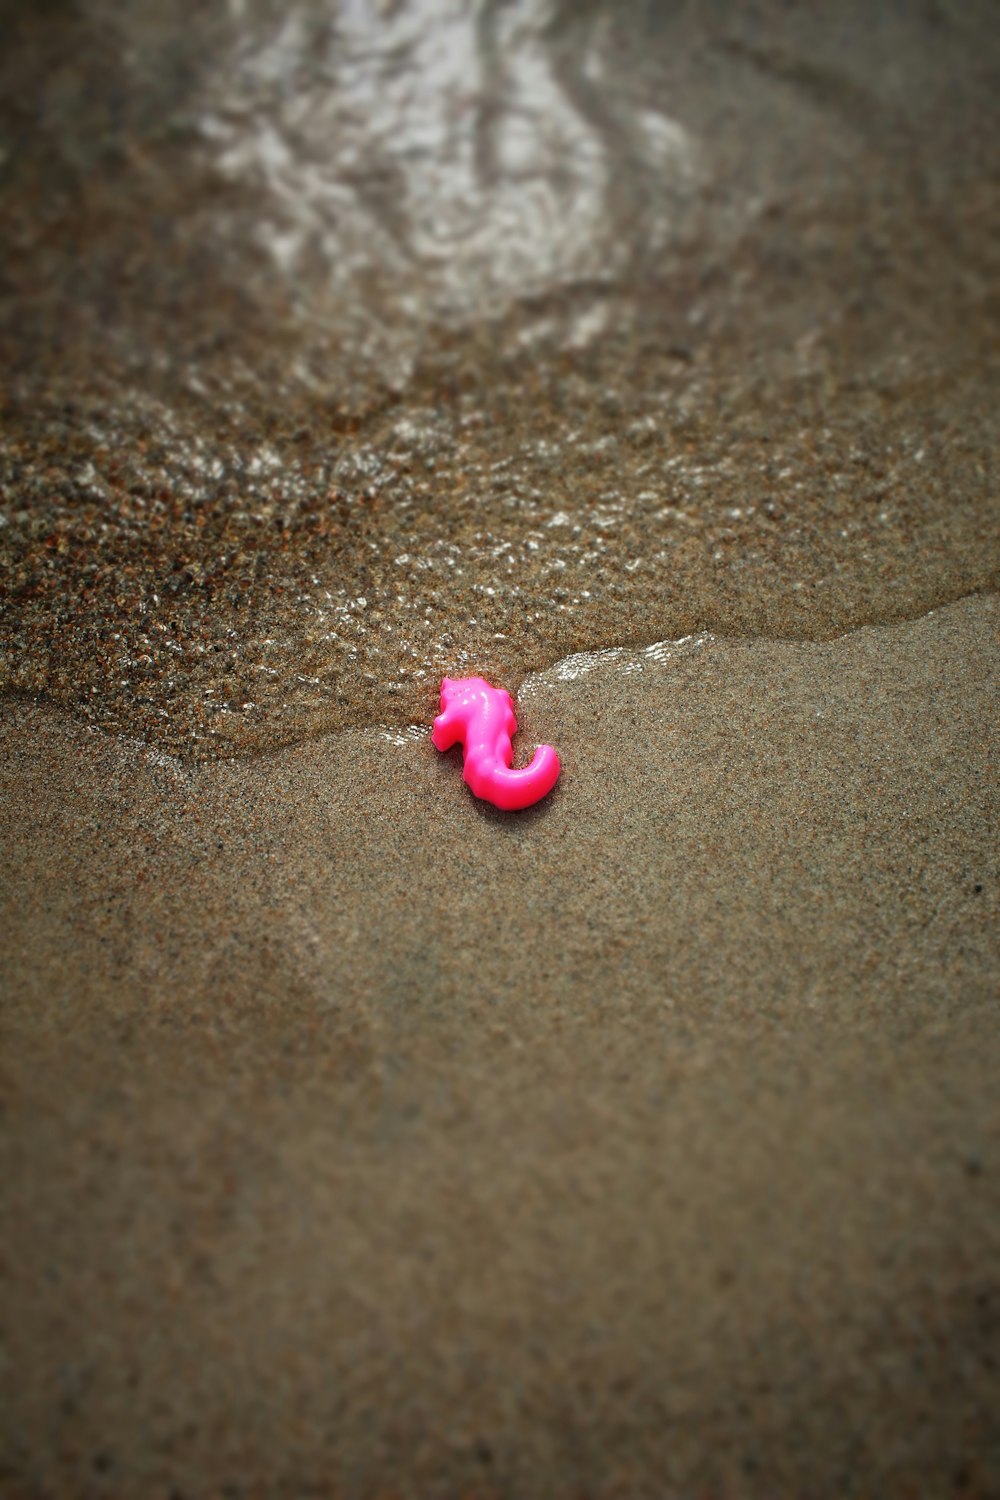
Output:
(482, 718)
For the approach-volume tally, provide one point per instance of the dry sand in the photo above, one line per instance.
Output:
(360, 1140)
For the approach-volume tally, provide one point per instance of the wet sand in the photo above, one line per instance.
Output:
(361, 1140)
(349, 346)
(358, 1141)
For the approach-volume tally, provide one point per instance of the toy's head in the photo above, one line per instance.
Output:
(465, 690)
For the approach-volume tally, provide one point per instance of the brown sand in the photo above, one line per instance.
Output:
(359, 1140)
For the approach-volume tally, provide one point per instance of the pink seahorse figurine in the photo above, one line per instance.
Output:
(482, 718)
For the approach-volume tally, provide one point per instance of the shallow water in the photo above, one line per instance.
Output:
(351, 345)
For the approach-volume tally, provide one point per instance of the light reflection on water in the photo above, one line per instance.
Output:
(433, 138)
